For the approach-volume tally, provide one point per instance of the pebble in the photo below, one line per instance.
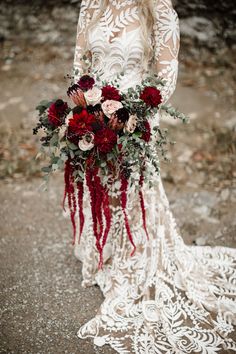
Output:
(224, 195)
(202, 210)
(201, 241)
(185, 156)
(231, 123)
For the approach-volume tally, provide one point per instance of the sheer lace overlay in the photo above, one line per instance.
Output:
(168, 297)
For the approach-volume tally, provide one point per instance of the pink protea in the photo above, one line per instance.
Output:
(76, 95)
(114, 123)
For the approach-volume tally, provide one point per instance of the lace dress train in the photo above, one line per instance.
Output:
(168, 297)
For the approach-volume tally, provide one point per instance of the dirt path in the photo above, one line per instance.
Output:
(42, 301)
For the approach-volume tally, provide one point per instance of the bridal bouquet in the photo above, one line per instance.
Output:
(104, 142)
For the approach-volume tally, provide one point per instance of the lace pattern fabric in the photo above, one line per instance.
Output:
(115, 43)
(168, 297)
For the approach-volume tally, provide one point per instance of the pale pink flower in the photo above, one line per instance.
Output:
(87, 142)
(110, 106)
(93, 96)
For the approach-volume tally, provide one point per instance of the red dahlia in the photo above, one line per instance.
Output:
(105, 139)
(111, 93)
(79, 125)
(86, 82)
(151, 96)
(56, 113)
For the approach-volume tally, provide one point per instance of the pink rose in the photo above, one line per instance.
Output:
(93, 96)
(110, 106)
(87, 142)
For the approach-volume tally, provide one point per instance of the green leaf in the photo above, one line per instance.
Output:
(47, 169)
(54, 139)
(81, 174)
(137, 134)
(54, 159)
(54, 166)
(64, 157)
(72, 146)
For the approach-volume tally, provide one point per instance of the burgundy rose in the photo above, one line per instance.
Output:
(111, 93)
(122, 114)
(146, 133)
(86, 82)
(57, 113)
(105, 139)
(151, 96)
(79, 125)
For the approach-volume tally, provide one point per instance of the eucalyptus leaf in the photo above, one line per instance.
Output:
(72, 146)
(54, 139)
(46, 169)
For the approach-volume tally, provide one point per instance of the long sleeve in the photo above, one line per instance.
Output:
(80, 65)
(166, 37)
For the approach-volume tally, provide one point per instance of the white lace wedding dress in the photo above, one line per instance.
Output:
(168, 297)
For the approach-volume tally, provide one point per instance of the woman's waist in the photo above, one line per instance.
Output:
(124, 78)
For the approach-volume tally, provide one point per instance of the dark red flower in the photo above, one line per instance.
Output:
(57, 112)
(97, 112)
(105, 139)
(86, 82)
(79, 125)
(151, 96)
(146, 134)
(111, 93)
(122, 114)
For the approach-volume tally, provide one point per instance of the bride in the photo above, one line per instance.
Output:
(168, 297)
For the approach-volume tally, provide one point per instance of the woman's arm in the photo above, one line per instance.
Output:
(166, 35)
(81, 66)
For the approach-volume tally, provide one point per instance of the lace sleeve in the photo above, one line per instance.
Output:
(166, 36)
(81, 65)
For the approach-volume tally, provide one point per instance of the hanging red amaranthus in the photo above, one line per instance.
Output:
(100, 205)
(80, 188)
(69, 193)
(141, 180)
(124, 187)
(100, 209)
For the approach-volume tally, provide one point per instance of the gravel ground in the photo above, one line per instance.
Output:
(42, 301)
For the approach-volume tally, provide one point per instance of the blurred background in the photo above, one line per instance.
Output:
(42, 300)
